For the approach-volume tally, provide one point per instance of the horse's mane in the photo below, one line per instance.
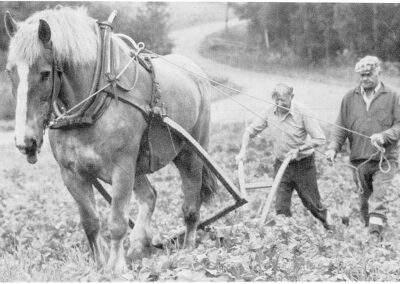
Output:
(72, 34)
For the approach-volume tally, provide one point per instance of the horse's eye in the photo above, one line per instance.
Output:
(44, 76)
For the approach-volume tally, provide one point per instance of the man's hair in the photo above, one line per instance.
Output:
(282, 89)
(368, 64)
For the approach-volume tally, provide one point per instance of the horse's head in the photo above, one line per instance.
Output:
(32, 84)
(53, 51)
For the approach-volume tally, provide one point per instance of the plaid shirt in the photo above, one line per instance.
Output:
(368, 100)
(290, 131)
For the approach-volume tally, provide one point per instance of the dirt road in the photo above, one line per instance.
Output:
(323, 98)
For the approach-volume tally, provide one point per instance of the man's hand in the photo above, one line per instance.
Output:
(330, 155)
(294, 153)
(239, 157)
(377, 140)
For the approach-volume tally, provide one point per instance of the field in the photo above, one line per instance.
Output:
(41, 239)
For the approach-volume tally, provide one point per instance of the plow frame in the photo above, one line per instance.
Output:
(207, 160)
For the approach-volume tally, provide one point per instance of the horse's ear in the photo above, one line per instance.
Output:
(44, 32)
(11, 24)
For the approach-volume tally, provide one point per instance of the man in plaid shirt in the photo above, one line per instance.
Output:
(290, 124)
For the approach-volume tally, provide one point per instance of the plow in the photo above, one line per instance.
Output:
(159, 113)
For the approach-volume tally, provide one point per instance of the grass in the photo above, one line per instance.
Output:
(42, 240)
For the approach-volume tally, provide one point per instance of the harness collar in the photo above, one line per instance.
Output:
(81, 115)
(90, 109)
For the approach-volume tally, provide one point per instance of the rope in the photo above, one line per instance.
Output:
(257, 98)
(380, 149)
(108, 84)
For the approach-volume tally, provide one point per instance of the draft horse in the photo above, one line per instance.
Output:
(54, 53)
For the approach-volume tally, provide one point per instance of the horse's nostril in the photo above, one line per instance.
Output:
(28, 146)
(30, 143)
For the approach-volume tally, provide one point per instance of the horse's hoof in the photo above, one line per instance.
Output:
(100, 265)
(117, 268)
(189, 246)
(138, 251)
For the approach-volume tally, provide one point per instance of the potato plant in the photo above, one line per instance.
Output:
(41, 238)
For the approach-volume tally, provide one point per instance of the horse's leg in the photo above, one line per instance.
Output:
(140, 237)
(123, 178)
(190, 168)
(82, 191)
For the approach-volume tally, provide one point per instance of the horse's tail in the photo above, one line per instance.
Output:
(208, 185)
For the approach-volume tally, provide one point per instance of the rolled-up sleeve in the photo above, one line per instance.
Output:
(314, 130)
(259, 124)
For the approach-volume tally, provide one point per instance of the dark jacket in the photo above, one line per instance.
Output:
(383, 116)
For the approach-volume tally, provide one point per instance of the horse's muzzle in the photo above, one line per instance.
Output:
(30, 148)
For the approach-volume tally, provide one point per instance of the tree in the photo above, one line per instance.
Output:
(20, 11)
(151, 27)
(148, 24)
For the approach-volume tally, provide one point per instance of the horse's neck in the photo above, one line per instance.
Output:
(120, 59)
(75, 85)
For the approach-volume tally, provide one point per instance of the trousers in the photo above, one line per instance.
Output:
(300, 176)
(374, 186)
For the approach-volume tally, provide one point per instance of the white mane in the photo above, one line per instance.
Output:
(73, 37)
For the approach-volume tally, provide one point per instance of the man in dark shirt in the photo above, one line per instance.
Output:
(373, 110)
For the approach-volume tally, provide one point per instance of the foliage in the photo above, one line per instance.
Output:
(151, 27)
(317, 32)
(149, 24)
(233, 48)
(41, 239)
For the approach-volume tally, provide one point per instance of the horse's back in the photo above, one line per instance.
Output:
(184, 89)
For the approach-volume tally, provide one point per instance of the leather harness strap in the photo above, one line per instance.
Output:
(92, 109)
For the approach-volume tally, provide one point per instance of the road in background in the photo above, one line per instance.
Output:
(323, 98)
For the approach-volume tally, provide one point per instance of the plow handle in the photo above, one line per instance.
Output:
(274, 189)
(242, 183)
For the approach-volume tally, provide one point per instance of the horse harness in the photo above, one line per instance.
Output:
(99, 99)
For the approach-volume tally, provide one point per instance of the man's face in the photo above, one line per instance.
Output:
(282, 100)
(369, 80)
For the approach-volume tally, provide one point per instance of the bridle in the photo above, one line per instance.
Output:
(56, 108)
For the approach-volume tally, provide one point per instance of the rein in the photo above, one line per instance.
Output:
(111, 83)
(382, 159)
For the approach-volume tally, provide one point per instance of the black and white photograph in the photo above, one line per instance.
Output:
(199, 141)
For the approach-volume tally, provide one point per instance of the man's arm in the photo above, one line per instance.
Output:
(392, 134)
(243, 148)
(313, 128)
(251, 131)
(339, 135)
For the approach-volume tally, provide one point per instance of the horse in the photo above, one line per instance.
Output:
(114, 147)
